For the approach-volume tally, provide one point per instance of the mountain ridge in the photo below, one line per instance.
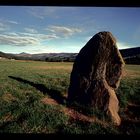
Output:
(129, 54)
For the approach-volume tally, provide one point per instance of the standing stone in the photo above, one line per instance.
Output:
(96, 75)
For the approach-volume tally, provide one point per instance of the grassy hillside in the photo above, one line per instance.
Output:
(33, 100)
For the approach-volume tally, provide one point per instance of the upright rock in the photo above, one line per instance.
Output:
(96, 74)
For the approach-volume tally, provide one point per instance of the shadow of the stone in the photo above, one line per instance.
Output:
(54, 94)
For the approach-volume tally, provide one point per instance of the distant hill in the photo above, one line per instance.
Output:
(130, 55)
(56, 57)
(23, 54)
(6, 55)
(130, 52)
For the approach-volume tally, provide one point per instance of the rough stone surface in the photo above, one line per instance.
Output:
(96, 75)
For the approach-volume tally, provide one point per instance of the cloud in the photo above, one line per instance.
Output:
(5, 24)
(12, 34)
(47, 37)
(30, 30)
(51, 12)
(64, 31)
(12, 22)
(18, 40)
(24, 39)
(42, 12)
(40, 37)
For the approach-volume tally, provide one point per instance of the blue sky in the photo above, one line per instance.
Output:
(47, 29)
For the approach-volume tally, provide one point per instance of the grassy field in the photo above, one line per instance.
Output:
(33, 100)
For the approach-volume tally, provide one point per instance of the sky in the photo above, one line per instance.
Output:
(48, 29)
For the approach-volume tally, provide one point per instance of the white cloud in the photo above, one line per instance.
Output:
(5, 24)
(43, 12)
(12, 34)
(52, 11)
(47, 37)
(30, 30)
(17, 40)
(24, 39)
(64, 31)
(40, 37)
(12, 22)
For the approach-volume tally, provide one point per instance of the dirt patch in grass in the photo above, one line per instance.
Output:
(49, 101)
(7, 117)
(131, 118)
(73, 114)
(8, 97)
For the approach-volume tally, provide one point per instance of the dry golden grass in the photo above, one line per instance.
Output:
(131, 71)
(8, 97)
(45, 67)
